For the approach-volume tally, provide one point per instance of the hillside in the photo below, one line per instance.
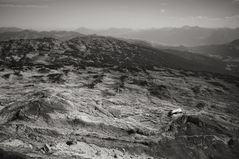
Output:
(228, 53)
(100, 52)
(99, 97)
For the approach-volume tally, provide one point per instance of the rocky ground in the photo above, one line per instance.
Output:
(101, 113)
(104, 98)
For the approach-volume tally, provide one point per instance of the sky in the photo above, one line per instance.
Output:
(102, 14)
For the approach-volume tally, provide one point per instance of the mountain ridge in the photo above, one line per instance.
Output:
(102, 51)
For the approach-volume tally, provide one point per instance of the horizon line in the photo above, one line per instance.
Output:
(108, 28)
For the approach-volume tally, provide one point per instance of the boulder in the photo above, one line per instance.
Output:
(175, 112)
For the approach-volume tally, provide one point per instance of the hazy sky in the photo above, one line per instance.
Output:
(136, 14)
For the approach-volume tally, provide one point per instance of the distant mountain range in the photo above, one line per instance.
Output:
(15, 33)
(188, 36)
(9, 29)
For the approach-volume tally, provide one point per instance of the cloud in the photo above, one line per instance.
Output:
(8, 5)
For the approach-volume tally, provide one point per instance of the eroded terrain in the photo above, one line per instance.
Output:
(93, 112)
